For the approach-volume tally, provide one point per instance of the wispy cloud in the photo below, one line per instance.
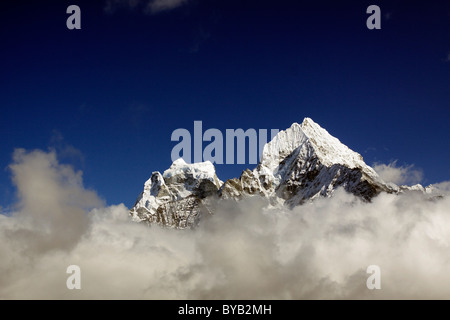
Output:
(399, 175)
(201, 36)
(136, 112)
(388, 16)
(146, 6)
(448, 58)
(156, 6)
(64, 150)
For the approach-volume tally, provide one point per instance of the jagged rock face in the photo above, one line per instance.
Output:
(176, 198)
(182, 213)
(299, 164)
(247, 184)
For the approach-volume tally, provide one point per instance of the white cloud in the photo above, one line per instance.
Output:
(52, 201)
(443, 187)
(399, 175)
(318, 250)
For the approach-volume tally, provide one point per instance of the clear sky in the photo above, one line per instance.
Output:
(107, 97)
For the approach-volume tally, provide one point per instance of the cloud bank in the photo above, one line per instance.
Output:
(318, 251)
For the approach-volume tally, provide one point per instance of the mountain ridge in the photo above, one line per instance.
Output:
(299, 164)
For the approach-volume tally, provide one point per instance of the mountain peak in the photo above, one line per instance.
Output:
(199, 170)
(179, 162)
(308, 121)
(331, 150)
(328, 148)
(311, 137)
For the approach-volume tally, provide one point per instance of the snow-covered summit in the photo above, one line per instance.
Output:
(331, 151)
(200, 170)
(314, 139)
(328, 148)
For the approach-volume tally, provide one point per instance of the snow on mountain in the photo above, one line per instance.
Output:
(174, 199)
(299, 164)
(304, 162)
(201, 170)
(331, 151)
(310, 139)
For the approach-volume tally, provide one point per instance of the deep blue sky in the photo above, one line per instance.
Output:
(116, 89)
